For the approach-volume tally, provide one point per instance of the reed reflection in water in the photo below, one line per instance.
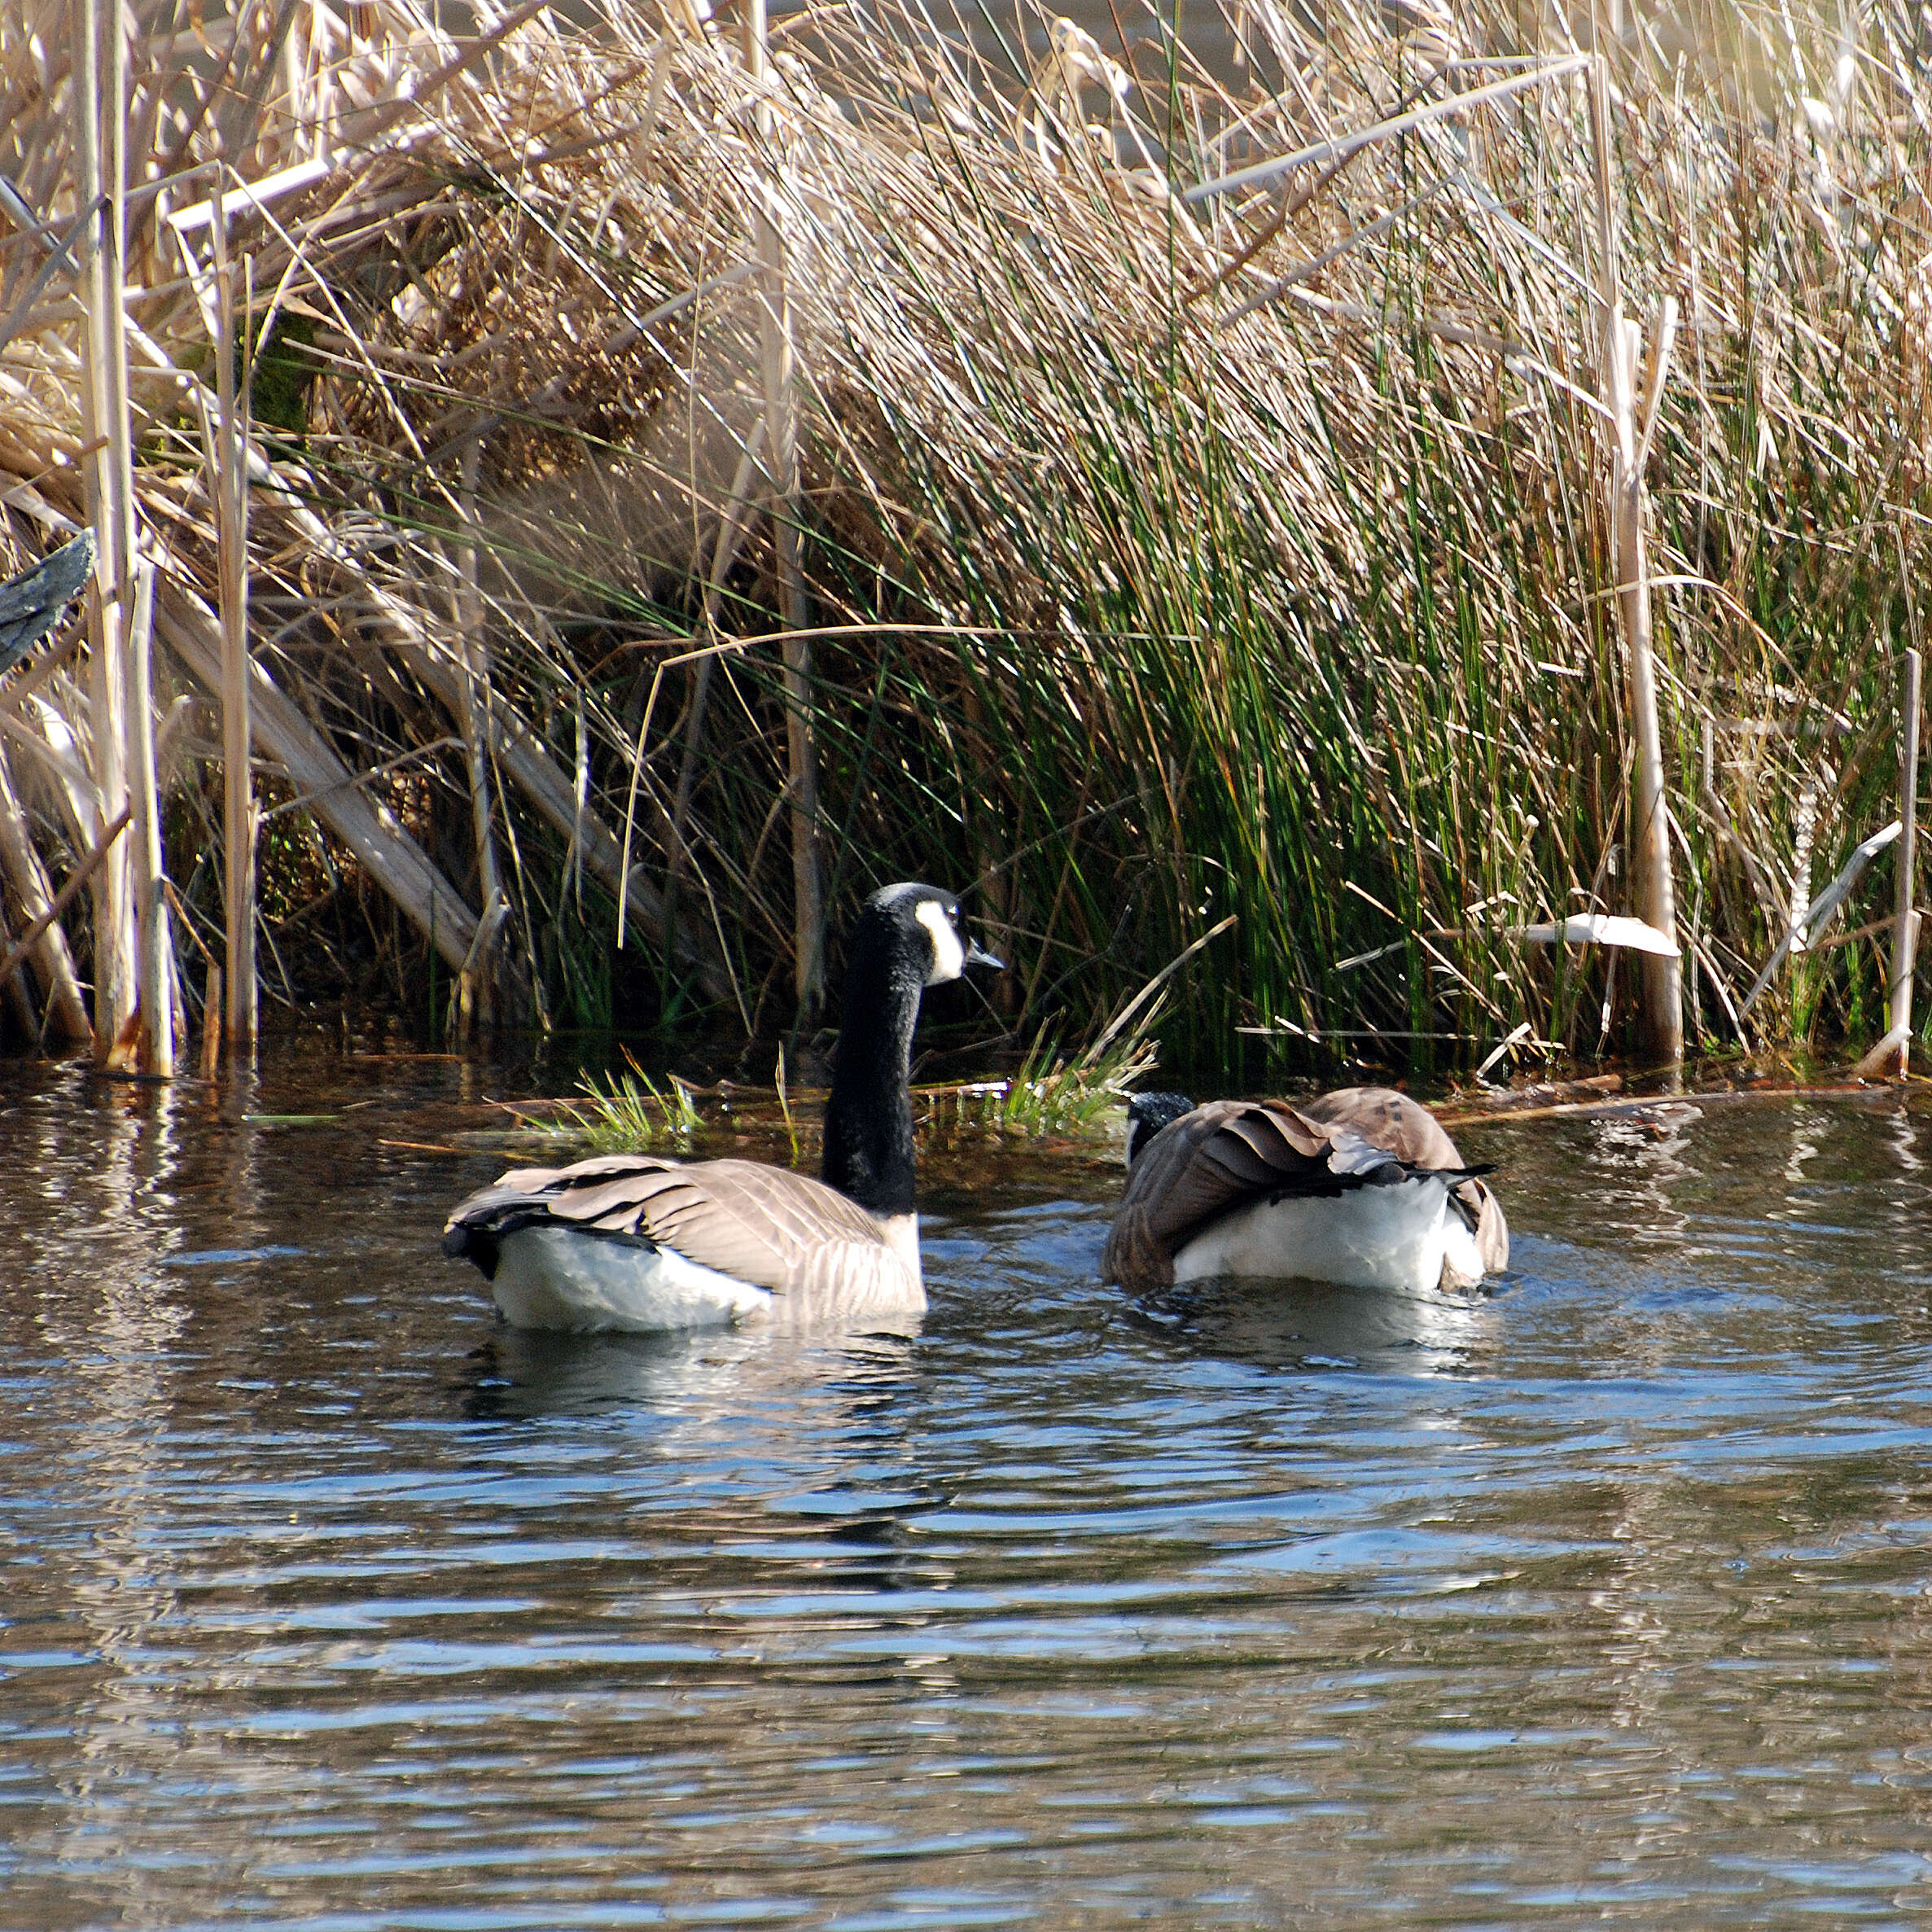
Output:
(329, 1602)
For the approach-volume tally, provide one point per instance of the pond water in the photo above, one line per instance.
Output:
(328, 1602)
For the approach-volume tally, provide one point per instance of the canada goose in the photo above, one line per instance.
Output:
(1360, 1187)
(31, 603)
(630, 1241)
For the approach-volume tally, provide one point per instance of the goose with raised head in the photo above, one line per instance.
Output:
(636, 1242)
(1361, 1187)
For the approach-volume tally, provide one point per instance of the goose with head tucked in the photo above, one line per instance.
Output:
(636, 1242)
(1361, 1187)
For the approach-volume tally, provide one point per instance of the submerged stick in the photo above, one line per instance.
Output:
(1610, 1109)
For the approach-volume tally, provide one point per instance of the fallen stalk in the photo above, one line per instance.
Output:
(23, 947)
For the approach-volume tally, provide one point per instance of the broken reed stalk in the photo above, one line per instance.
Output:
(98, 87)
(477, 994)
(1661, 1015)
(331, 791)
(153, 946)
(211, 1023)
(1906, 919)
(151, 959)
(775, 355)
(228, 489)
(103, 847)
(53, 964)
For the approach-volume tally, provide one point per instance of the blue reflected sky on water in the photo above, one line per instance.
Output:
(329, 1602)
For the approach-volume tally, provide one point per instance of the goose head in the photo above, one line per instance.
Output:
(909, 937)
(1147, 1113)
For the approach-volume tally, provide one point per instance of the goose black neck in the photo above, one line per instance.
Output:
(869, 1118)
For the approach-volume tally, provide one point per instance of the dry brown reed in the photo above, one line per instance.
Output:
(1178, 540)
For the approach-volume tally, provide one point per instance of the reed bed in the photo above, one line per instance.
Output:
(1171, 555)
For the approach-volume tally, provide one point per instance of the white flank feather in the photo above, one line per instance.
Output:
(1394, 1237)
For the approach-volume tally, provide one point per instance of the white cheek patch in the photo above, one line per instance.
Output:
(948, 955)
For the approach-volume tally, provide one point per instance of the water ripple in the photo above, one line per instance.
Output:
(327, 1603)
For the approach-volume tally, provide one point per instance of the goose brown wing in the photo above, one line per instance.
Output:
(1416, 1138)
(1492, 1227)
(766, 1226)
(1212, 1160)
(1389, 1120)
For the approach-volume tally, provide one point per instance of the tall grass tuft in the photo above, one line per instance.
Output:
(1054, 1092)
(624, 1113)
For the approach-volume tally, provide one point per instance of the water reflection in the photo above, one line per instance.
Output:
(804, 1381)
(1306, 1324)
(1635, 1165)
(327, 1601)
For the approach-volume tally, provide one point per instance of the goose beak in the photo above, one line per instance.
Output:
(976, 955)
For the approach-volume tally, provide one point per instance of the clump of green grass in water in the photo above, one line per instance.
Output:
(627, 1113)
(1049, 1094)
